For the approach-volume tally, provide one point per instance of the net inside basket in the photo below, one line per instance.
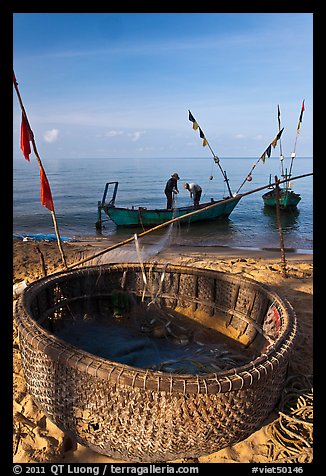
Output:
(126, 356)
(143, 334)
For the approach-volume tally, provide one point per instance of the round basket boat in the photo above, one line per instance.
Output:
(140, 414)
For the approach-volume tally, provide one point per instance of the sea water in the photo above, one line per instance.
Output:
(78, 184)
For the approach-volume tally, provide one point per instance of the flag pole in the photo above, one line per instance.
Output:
(215, 157)
(56, 229)
(296, 138)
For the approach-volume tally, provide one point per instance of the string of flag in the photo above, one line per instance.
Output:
(274, 142)
(196, 126)
(267, 153)
(26, 138)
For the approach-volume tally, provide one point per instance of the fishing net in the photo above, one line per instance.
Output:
(291, 433)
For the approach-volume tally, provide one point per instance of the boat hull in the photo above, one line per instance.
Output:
(144, 217)
(287, 199)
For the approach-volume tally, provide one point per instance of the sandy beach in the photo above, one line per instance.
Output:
(37, 439)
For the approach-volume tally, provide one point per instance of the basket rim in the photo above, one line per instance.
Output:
(236, 378)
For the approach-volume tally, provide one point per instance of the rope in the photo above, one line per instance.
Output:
(291, 435)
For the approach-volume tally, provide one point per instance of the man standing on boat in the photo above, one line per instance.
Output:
(171, 188)
(195, 191)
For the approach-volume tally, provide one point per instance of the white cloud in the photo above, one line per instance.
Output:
(113, 133)
(51, 135)
(135, 136)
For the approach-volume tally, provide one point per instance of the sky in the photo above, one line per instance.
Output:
(121, 84)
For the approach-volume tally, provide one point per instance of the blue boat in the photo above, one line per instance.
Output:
(144, 217)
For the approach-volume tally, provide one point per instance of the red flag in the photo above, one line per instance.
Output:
(25, 138)
(46, 195)
(301, 114)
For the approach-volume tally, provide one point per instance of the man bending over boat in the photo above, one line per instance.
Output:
(195, 191)
(171, 188)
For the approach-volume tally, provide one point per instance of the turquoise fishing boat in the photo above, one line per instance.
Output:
(143, 217)
(287, 198)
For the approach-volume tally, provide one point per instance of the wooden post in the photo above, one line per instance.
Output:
(41, 260)
(279, 226)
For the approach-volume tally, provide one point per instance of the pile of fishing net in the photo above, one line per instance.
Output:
(291, 434)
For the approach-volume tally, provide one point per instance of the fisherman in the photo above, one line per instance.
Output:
(171, 188)
(195, 191)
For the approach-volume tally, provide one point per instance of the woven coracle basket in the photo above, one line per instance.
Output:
(143, 415)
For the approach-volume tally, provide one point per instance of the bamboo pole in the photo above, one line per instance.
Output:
(293, 153)
(296, 139)
(54, 219)
(217, 161)
(174, 220)
(248, 175)
(279, 226)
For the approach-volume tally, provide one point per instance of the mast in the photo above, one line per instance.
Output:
(279, 128)
(195, 126)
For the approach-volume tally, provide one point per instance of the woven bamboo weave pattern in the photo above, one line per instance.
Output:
(141, 415)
